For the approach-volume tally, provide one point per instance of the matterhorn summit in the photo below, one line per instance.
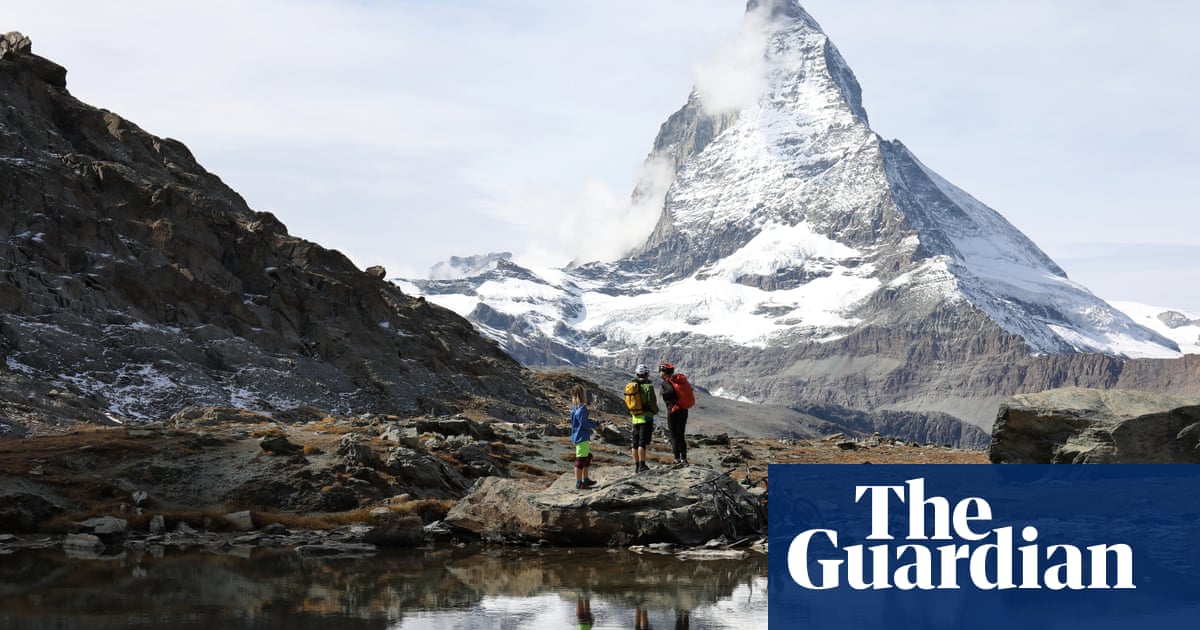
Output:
(801, 259)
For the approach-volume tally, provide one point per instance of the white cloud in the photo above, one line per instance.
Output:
(736, 77)
(589, 223)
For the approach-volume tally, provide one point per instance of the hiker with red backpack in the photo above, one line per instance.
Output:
(678, 395)
(642, 404)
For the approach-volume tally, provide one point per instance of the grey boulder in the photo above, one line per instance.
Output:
(662, 505)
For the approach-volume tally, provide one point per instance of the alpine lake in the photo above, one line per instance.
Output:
(427, 588)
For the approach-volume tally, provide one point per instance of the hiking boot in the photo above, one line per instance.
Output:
(589, 483)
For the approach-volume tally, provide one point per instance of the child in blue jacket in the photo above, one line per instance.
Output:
(581, 435)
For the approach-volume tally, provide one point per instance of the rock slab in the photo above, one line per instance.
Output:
(663, 505)
(1093, 426)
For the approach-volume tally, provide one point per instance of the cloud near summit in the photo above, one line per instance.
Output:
(736, 77)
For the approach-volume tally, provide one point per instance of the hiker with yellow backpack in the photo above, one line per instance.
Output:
(642, 403)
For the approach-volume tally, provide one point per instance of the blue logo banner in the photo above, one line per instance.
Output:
(1013, 547)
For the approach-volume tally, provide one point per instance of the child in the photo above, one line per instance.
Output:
(581, 435)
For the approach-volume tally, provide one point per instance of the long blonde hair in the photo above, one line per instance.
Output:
(578, 396)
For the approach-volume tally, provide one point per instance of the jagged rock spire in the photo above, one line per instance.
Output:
(785, 21)
(805, 100)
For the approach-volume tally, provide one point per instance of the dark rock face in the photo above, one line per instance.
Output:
(423, 473)
(23, 512)
(134, 283)
(1088, 426)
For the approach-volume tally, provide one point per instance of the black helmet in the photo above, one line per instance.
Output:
(666, 367)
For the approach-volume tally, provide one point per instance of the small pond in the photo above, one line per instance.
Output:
(410, 589)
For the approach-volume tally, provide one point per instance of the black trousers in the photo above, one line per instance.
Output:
(676, 428)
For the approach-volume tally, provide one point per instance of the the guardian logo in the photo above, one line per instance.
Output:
(948, 547)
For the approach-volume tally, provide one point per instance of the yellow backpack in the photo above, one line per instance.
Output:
(633, 398)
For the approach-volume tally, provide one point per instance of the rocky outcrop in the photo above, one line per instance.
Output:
(160, 478)
(255, 464)
(133, 283)
(24, 512)
(661, 505)
(1089, 426)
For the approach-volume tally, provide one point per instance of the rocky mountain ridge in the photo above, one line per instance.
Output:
(134, 283)
(802, 260)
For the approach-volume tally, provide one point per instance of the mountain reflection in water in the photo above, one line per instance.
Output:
(411, 589)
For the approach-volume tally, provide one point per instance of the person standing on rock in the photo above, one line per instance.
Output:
(677, 413)
(642, 403)
(581, 435)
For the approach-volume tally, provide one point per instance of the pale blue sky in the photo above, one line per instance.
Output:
(404, 132)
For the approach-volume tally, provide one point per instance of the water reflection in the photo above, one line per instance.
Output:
(416, 589)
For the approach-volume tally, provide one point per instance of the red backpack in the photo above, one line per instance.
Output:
(684, 396)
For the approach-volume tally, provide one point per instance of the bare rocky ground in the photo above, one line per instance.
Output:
(326, 471)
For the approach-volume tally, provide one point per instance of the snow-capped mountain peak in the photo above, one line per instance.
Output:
(798, 245)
